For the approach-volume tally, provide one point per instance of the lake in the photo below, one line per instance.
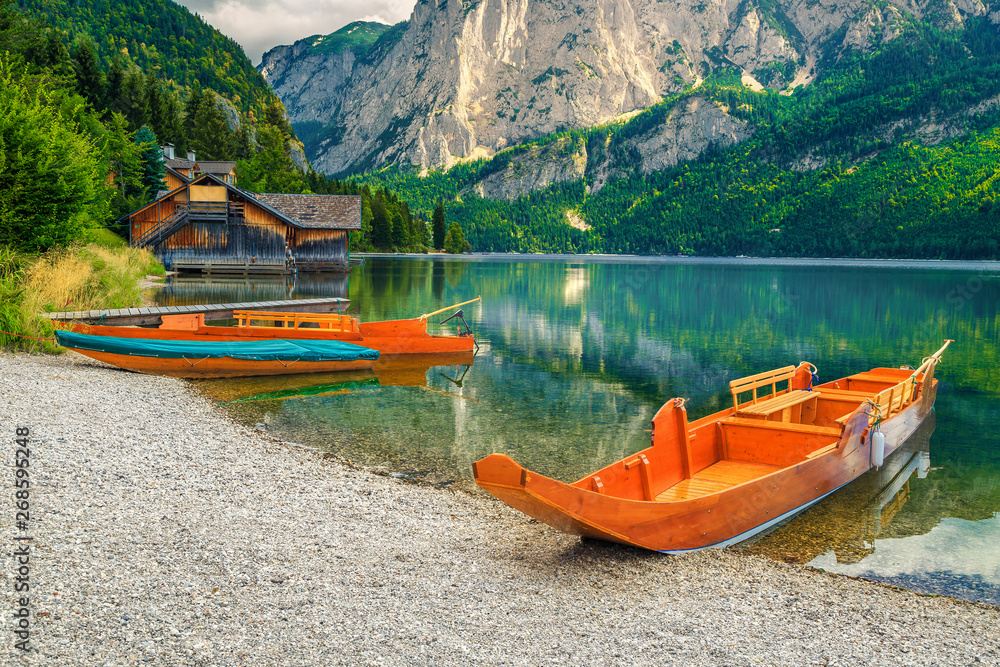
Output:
(577, 354)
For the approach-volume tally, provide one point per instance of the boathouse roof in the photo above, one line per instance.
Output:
(310, 211)
(317, 211)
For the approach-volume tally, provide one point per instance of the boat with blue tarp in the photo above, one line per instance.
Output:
(207, 359)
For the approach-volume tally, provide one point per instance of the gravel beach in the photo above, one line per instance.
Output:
(166, 534)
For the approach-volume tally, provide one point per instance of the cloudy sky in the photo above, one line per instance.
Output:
(261, 24)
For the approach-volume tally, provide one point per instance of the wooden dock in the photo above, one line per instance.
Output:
(216, 311)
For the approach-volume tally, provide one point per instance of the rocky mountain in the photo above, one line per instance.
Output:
(464, 79)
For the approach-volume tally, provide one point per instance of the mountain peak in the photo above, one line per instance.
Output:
(463, 79)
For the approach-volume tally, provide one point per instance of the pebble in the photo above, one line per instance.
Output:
(222, 546)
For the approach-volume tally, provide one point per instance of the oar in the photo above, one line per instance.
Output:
(457, 305)
(936, 357)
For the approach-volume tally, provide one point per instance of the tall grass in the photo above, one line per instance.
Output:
(104, 237)
(90, 277)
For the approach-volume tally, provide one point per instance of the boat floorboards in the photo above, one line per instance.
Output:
(716, 477)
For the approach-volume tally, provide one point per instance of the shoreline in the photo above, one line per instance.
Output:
(940, 264)
(166, 533)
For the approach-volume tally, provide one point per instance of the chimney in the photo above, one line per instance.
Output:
(191, 156)
(168, 151)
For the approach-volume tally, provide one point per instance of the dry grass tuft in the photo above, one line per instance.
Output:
(87, 277)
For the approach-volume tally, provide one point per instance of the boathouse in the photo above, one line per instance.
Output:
(212, 226)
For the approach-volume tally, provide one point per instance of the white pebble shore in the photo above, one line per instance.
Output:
(166, 534)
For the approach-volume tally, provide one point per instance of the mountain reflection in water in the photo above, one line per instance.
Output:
(577, 354)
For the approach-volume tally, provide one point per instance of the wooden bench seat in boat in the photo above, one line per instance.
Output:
(789, 405)
(875, 377)
(783, 426)
(845, 394)
(779, 395)
(716, 477)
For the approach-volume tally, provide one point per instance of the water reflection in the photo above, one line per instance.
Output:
(185, 289)
(408, 370)
(577, 357)
(928, 528)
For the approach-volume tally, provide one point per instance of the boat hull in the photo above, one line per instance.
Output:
(392, 337)
(713, 520)
(221, 367)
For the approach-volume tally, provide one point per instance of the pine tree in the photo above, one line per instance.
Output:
(191, 108)
(274, 115)
(122, 157)
(39, 208)
(437, 226)
(173, 124)
(152, 160)
(116, 78)
(133, 100)
(209, 134)
(361, 240)
(381, 227)
(400, 232)
(271, 169)
(157, 107)
(89, 76)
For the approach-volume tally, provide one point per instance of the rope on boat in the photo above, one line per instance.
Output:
(7, 333)
(813, 374)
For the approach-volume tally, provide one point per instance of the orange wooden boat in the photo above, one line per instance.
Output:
(213, 359)
(389, 337)
(735, 473)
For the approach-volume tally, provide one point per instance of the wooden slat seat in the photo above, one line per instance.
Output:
(874, 377)
(777, 404)
(753, 383)
(845, 394)
(717, 477)
(782, 426)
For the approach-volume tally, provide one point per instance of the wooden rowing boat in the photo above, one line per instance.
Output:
(212, 359)
(735, 473)
(394, 337)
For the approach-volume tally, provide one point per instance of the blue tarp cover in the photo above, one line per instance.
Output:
(257, 350)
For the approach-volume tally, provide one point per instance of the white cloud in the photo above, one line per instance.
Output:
(259, 25)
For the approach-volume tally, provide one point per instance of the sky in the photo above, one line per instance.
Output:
(259, 25)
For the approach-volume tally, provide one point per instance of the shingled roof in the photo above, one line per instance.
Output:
(317, 211)
(179, 163)
(214, 167)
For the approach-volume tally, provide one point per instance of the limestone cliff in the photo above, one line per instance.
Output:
(464, 78)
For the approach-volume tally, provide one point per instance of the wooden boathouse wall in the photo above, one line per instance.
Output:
(319, 249)
(219, 228)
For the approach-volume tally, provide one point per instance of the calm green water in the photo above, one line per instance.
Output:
(576, 357)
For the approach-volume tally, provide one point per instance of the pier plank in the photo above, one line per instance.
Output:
(151, 315)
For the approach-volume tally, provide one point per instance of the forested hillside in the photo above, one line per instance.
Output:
(164, 39)
(80, 134)
(894, 152)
